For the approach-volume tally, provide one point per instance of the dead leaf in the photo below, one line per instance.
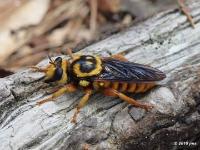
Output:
(109, 6)
(13, 30)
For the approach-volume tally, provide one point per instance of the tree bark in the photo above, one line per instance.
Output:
(165, 41)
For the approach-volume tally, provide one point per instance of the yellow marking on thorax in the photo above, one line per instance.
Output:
(64, 75)
(84, 83)
(96, 71)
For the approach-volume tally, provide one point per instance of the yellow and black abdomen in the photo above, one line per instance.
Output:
(126, 76)
(123, 86)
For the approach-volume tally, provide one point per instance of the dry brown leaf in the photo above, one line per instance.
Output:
(8, 7)
(185, 10)
(66, 24)
(93, 15)
(109, 6)
(67, 11)
(29, 60)
(13, 31)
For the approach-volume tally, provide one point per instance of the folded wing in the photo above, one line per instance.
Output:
(115, 70)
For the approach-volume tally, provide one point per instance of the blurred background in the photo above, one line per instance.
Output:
(32, 29)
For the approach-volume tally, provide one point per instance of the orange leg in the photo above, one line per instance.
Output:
(81, 104)
(66, 89)
(119, 57)
(86, 146)
(115, 93)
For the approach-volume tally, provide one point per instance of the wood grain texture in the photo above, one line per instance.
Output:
(166, 41)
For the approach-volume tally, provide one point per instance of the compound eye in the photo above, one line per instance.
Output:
(86, 66)
(58, 61)
(57, 75)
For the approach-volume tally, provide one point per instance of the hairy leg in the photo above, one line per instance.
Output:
(66, 89)
(115, 93)
(119, 57)
(82, 103)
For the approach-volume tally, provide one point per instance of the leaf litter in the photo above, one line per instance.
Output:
(30, 30)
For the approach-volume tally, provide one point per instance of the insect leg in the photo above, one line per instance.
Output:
(81, 104)
(119, 57)
(115, 93)
(66, 89)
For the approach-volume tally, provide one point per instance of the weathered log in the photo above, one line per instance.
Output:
(166, 41)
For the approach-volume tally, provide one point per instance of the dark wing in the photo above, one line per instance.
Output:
(115, 70)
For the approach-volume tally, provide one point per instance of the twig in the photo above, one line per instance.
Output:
(93, 18)
(185, 11)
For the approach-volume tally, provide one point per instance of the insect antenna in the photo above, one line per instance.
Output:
(51, 61)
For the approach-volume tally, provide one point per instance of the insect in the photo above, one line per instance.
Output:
(113, 76)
